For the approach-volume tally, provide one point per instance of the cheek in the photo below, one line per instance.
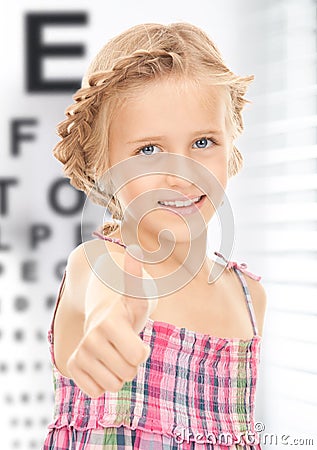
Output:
(135, 188)
(223, 176)
(126, 194)
(219, 168)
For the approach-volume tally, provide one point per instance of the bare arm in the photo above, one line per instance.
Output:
(71, 312)
(96, 328)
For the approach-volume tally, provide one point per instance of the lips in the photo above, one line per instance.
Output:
(182, 199)
(185, 210)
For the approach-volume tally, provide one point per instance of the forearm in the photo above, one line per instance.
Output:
(100, 294)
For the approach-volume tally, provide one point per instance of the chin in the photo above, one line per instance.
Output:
(177, 232)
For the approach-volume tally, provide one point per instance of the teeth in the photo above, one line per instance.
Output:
(179, 203)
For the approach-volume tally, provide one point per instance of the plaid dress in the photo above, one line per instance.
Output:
(195, 391)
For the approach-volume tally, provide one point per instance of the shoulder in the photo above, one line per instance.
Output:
(68, 324)
(81, 262)
(86, 254)
(259, 300)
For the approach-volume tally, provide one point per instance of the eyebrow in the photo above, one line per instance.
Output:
(153, 138)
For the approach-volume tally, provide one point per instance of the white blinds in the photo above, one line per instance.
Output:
(275, 203)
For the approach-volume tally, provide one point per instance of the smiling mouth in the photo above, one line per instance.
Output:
(181, 203)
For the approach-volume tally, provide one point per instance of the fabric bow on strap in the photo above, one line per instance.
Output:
(242, 267)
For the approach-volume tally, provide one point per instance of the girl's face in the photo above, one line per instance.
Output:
(165, 118)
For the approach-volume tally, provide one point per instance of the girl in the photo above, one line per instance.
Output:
(181, 374)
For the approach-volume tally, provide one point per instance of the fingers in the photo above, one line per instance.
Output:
(84, 381)
(111, 350)
(97, 365)
(126, 341)
(95, 375)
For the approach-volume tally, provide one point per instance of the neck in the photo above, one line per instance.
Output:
(166, 256)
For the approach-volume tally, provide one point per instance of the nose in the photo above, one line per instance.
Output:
(176, 169)
(178, 182)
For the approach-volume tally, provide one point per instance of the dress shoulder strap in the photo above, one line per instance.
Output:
(50, 333)
(108, 238)
(240, 269)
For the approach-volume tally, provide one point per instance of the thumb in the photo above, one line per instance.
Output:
(134, 298)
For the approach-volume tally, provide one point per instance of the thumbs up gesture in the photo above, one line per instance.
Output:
(139, 309)
(110, 350)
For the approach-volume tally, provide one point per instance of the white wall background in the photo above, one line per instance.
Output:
(274, 197)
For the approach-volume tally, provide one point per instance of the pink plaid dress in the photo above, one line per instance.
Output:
(195, 391)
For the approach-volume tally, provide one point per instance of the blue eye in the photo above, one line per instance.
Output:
(148, 149)
(202, 143)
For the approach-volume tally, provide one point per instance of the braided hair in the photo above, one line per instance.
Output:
(143, 53)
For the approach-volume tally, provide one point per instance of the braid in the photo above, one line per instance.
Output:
(178, 49)
(76, 130)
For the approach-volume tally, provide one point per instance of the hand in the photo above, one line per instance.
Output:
(111, 351)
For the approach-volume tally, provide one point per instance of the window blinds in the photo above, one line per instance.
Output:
(275, 203)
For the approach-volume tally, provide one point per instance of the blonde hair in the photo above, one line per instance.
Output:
(143, 53)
